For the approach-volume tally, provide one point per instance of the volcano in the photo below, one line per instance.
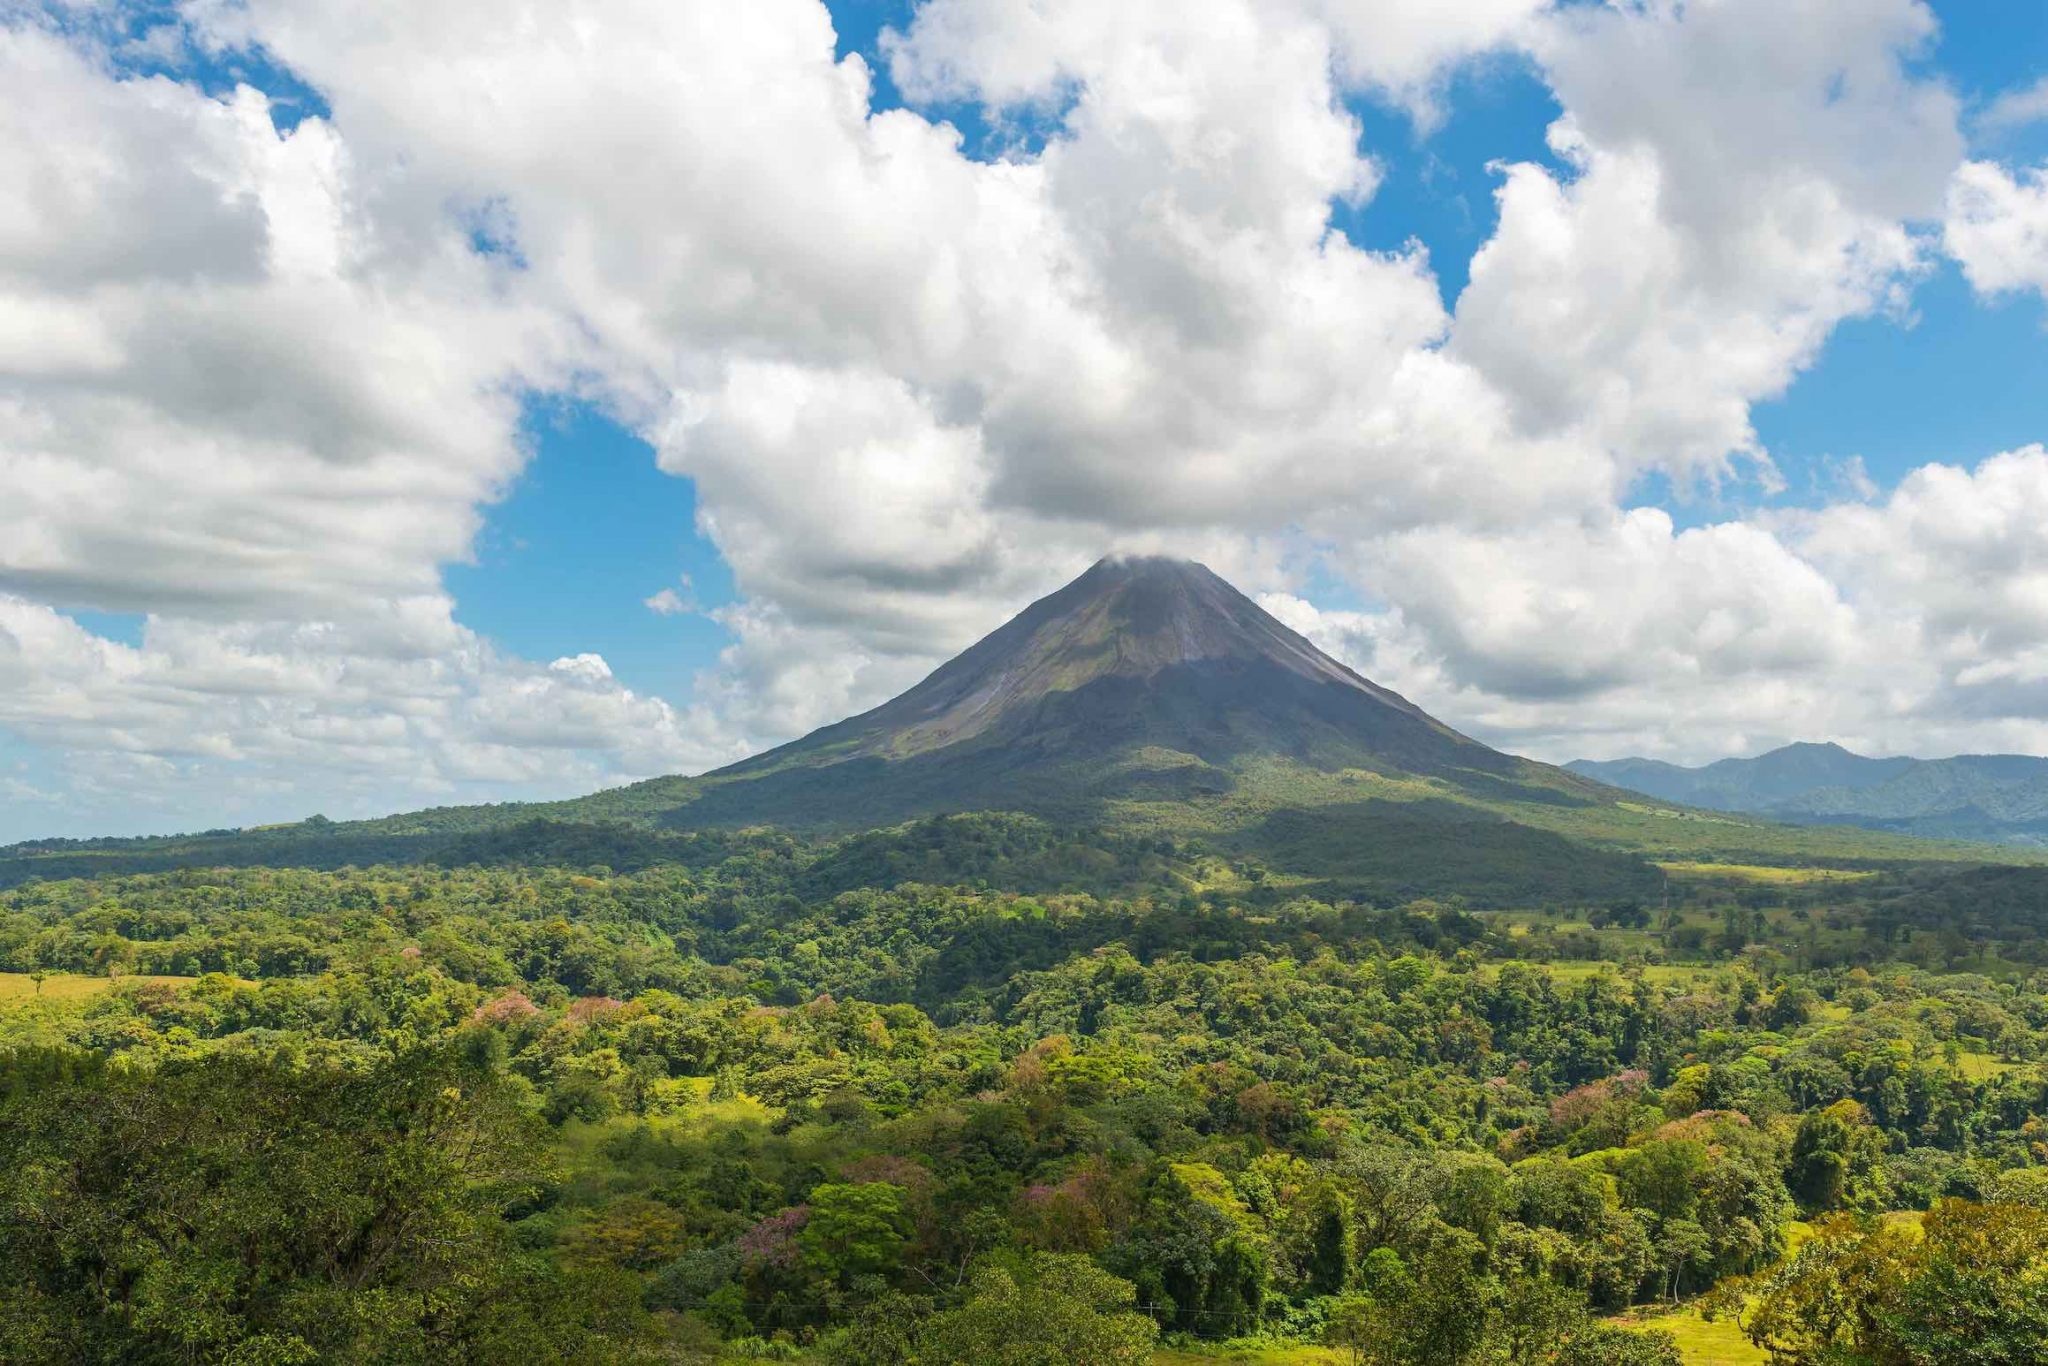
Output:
(1145, 652)
(1144, 681)
(1147, 704)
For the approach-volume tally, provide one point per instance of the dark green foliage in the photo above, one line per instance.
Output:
(232, 1206)
(1384, 850)
(1327, 1269)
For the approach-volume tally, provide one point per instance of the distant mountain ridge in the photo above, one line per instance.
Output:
(1994, 798)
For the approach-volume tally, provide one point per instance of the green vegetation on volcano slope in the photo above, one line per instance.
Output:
(1362, 833)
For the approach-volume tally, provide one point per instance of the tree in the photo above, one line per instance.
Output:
(1971, 1290)
(1363, 1328)
(1237, 1288)
(1441, 1313)
(1327, 1267)
(1045, 1309)
(635, 1232)
(1837, 1160)
(884, 1332)
(1681, 1245)
(1193, 1255)
(1664, 1176)
(1975, 1291)
(1536, 1316)
(230, 1207)
(854, 1230)
(1821, 1303)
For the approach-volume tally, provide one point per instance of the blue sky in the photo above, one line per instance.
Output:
(592, 528)
(508, 398)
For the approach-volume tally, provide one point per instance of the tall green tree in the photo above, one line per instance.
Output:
(1047, 1309)
(854, 1230)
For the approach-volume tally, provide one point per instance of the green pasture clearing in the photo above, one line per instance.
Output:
(1281, 1355)
(1700, 1343)
(1764, 873)
(1983, 1066)
(19, 987)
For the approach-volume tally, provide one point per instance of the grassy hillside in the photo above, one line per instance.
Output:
(1371, 833)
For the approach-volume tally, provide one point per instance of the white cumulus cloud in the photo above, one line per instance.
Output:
(261, 386)
(1997, 227)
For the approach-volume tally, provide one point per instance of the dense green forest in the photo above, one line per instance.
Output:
(979, 1089)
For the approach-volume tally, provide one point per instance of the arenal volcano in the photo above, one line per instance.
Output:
(1147, 705)
(1145, 680)
(1148, 700)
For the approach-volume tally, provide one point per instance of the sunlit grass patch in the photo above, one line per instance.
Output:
(1758, 872)
(19, 987)
(1912, 1220)
(1263, 1355)
(1983, 1066)
(1700, 1343)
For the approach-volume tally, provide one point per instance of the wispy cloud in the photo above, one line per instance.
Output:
(2016, 109)
(670, 603)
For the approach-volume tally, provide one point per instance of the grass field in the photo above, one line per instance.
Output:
(1700, 1343)
(18, 987)
(1247, 1356)
(1983, 1066)
(1757, 872)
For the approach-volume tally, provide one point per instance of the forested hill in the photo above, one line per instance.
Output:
(1991, 798)
(1383, 854)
